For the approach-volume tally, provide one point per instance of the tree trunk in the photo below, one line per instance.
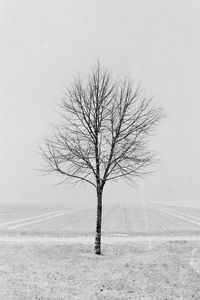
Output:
(97, 247)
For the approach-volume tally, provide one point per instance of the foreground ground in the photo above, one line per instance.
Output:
(160, 270)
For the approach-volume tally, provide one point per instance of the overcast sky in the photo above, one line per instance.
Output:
(44, 43)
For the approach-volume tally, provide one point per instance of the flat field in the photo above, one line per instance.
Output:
(57, 270)
(167, 270)
(124, 219)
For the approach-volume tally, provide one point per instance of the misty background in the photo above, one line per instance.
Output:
(43, 44)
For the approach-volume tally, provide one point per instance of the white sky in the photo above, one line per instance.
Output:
(44, 43)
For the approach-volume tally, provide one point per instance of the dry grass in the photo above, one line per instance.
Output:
(124, 271)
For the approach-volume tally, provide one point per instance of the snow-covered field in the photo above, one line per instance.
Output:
(154, 265)
(167, 270)
(124, 218)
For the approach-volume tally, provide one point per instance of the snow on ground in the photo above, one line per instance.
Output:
(150, 252)
(117, 219)
(166, 270)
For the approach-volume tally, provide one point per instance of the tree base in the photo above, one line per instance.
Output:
(97, 247)
(97, 252)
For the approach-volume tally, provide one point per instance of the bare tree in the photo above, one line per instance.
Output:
(103, 135)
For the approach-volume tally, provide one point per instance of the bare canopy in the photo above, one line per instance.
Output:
(103, 134)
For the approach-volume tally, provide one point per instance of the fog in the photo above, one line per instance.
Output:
(43, 44)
